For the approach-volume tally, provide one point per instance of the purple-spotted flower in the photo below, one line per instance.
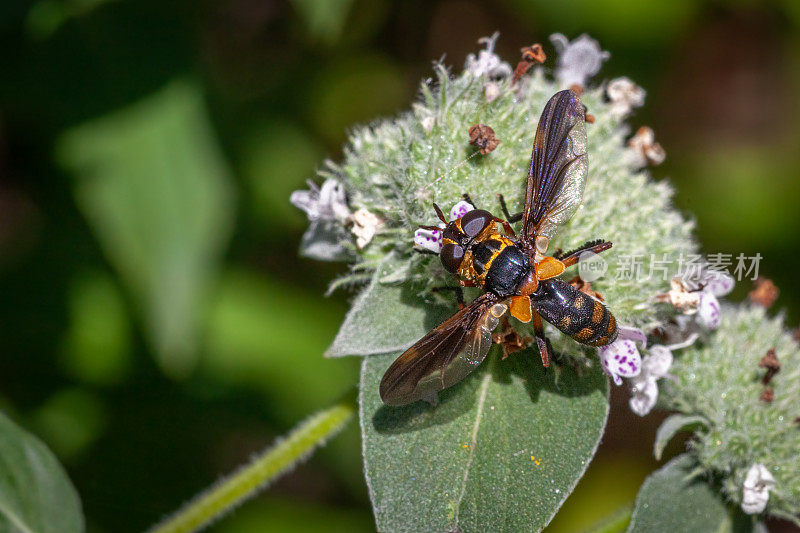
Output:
(621, 358)
(755, 489)
(431, 239)
(578, 60)
(487, 63)
(655, 365)
(699, 296)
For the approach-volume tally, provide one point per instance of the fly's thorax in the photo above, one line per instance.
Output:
(508, 270)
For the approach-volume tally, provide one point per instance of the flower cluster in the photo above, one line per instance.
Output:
(699, 361)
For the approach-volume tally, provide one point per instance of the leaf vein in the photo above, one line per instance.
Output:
(473, 440)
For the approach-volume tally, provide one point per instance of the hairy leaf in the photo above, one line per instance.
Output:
(672, 426)
(383, 319)
(35, 493)
(501, 451)
(675, 499)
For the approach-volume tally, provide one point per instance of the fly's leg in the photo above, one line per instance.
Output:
(456, 289)
(573, 256)
(506, 227)
(541, 340)
(511, 218)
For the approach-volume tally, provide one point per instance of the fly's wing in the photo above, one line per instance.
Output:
(558, 168)
(445, 355)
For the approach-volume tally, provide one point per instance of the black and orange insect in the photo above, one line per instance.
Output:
(513, 270)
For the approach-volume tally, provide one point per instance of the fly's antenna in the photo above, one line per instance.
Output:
(457, 166)
(439, 213)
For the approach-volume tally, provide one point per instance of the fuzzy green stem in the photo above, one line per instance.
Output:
(246, 482)
(615, 523)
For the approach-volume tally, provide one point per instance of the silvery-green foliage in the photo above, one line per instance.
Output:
(720, 381)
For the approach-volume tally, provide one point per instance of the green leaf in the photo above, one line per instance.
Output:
(153, 184)
(385, 318)
(675, 499)
(35, 494)
(501, 452)
(670, 427)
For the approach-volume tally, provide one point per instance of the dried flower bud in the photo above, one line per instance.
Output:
(765, 292)
(624, 96)
(365, 225)
(533, 53)
(510, 340)
(646, 150)
(767, 395)
(482, 137)
(771, 363)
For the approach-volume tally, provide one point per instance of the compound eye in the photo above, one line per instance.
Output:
(473, 222)
(451, 256)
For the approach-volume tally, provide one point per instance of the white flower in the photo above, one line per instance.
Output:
(755, 489)
(655, 365)
(621, 358)
(624, 96)
(578, 60)
(682, 295)
(365, 225)
(644, 148)
(697, 295)
(491, 91)
(326, 203)
(487, 63)
(431, 239)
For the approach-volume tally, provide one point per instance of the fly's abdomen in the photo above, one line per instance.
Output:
(576, 314)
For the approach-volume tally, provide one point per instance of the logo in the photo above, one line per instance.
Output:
(591, 266)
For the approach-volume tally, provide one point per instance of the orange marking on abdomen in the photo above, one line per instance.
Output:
(597, 313)
(584, 334)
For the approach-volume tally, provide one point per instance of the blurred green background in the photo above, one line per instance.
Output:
(156, 324)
